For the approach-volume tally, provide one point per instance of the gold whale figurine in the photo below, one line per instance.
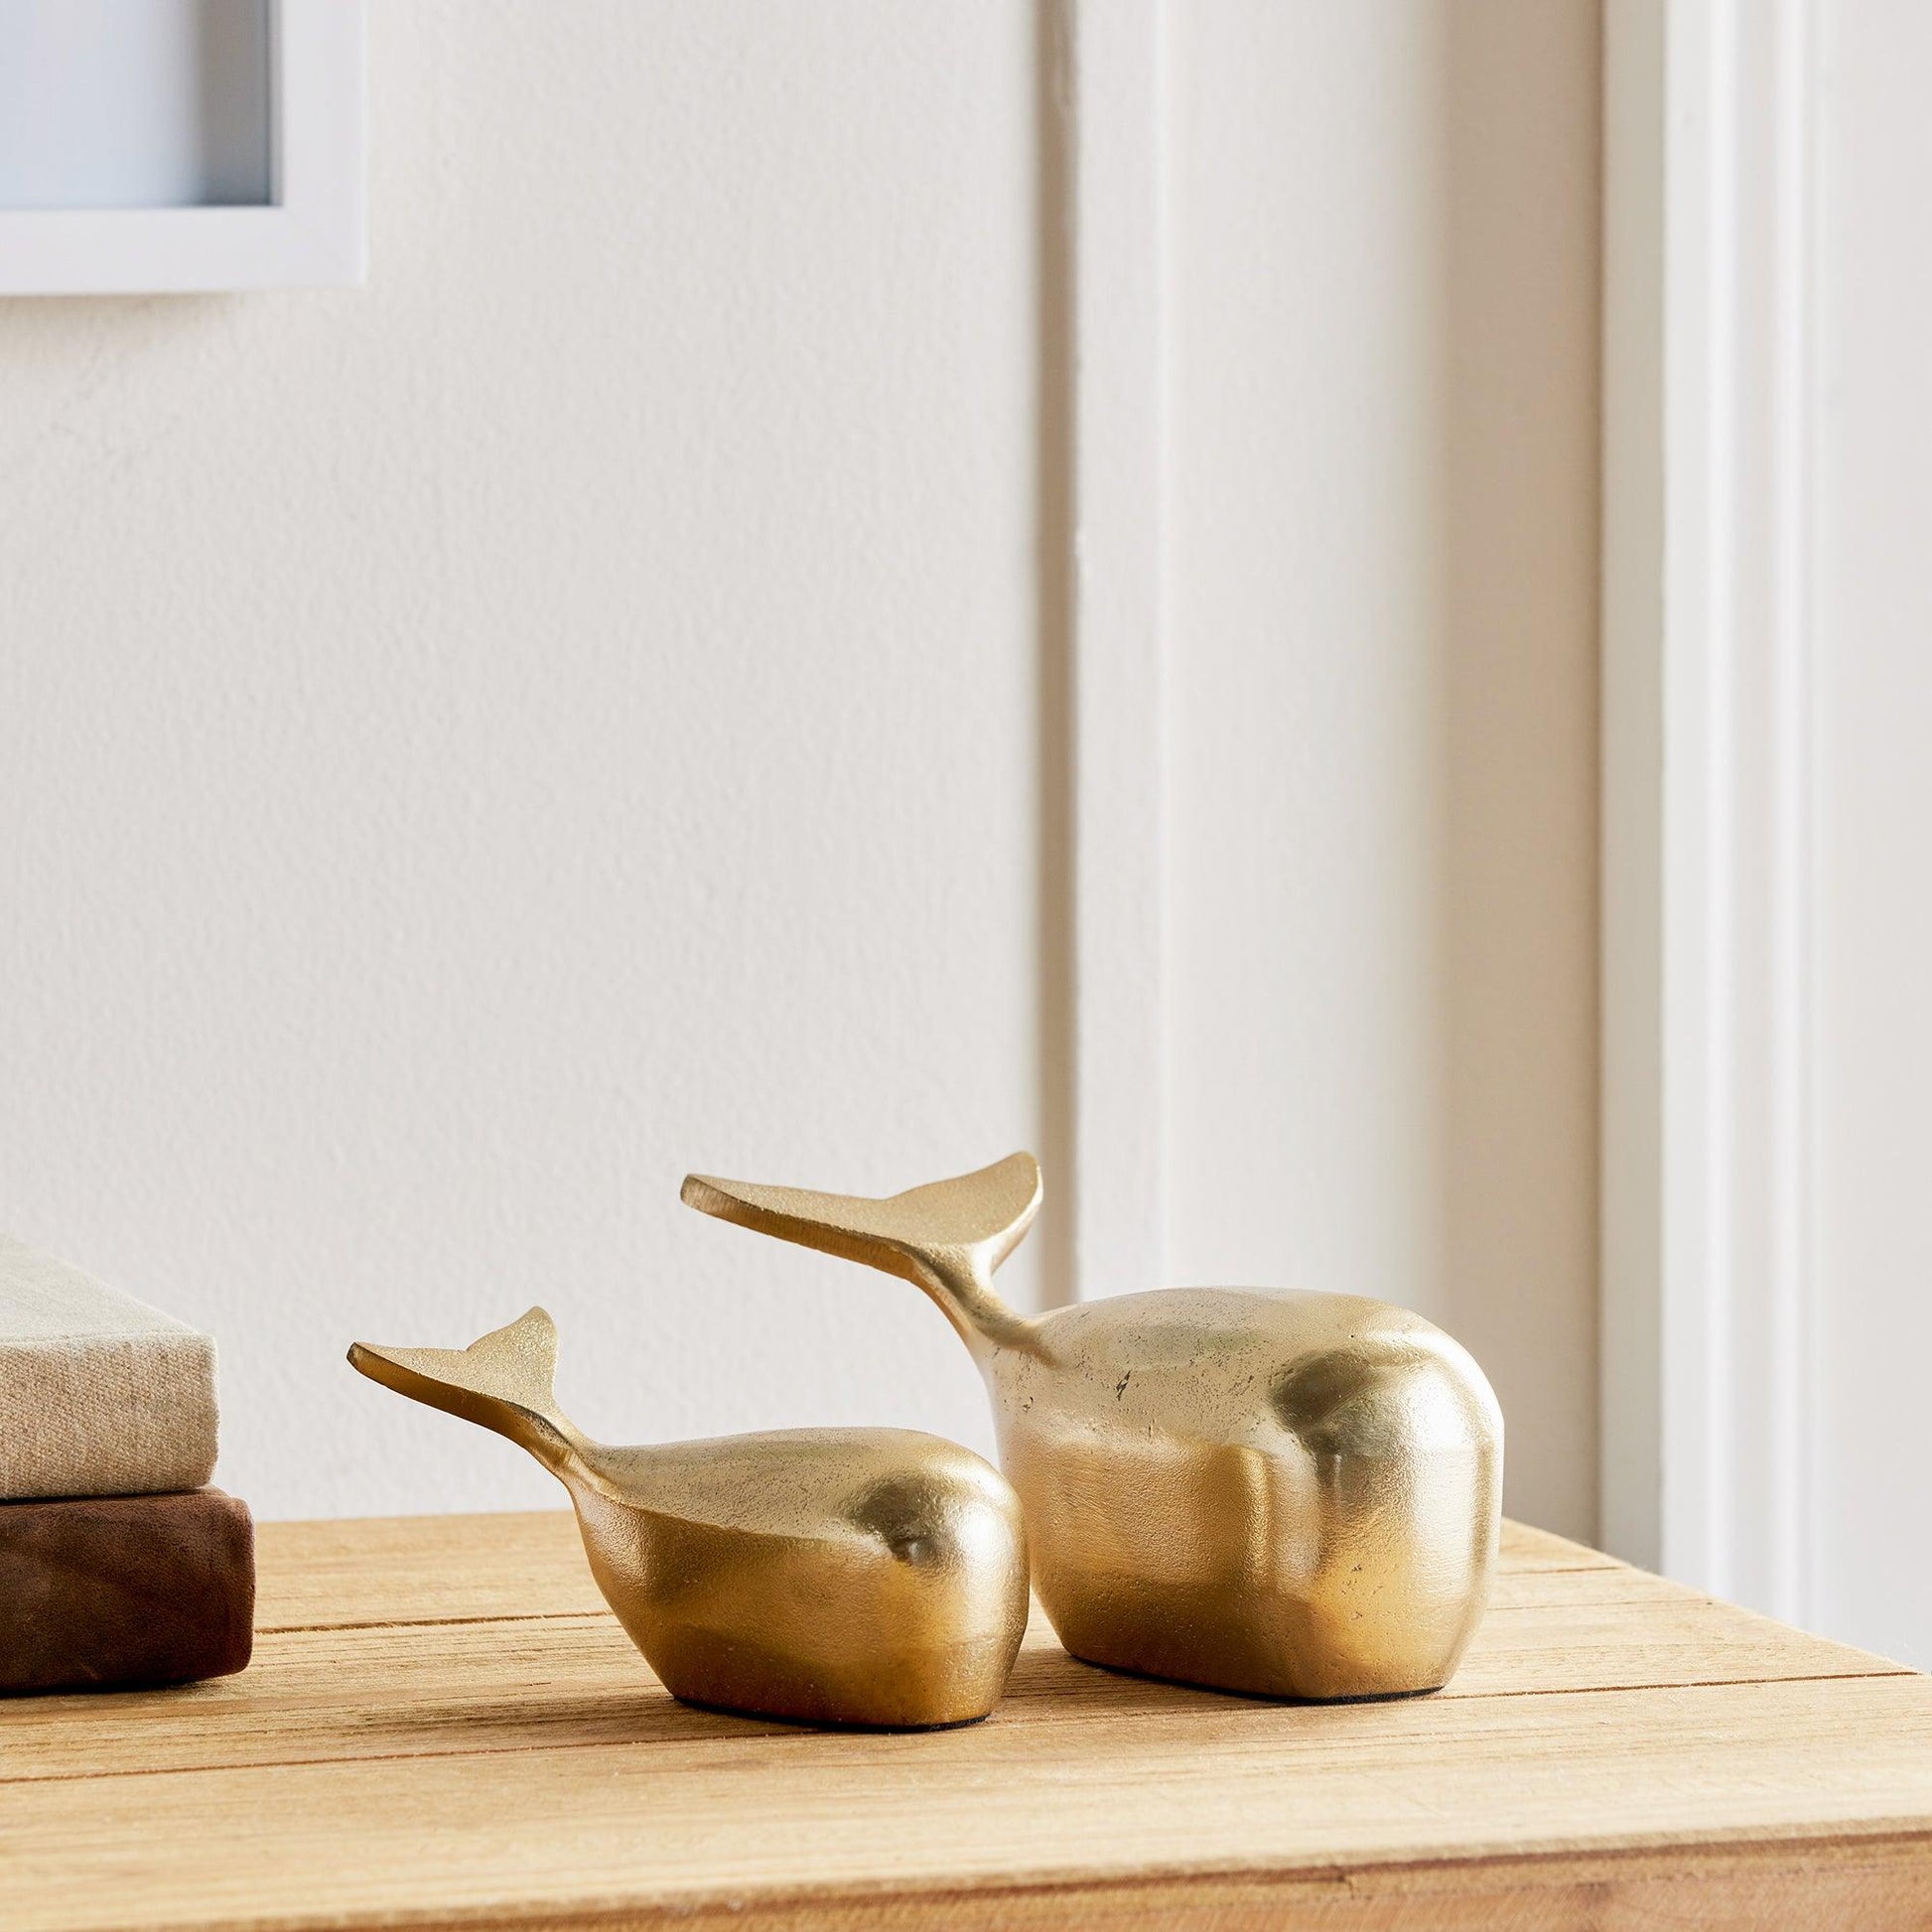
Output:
(1287, 1495)
(832, 1576)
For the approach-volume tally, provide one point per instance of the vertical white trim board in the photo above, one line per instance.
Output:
(1707, 1185)
(1117, 118)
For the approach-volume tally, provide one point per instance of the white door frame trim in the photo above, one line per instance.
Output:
(1706, 1268)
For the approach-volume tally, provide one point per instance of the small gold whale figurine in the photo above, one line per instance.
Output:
(832, 1576)
(1288, 1494)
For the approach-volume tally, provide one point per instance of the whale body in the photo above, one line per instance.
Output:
(1289, 1494)
(872, 1577)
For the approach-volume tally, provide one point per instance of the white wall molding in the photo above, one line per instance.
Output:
(1116, 112)
(1707, 1272)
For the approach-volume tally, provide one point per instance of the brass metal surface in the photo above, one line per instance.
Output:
(833, 1576)
(1289, 1494)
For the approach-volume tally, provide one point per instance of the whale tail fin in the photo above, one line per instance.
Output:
(948, 1236)
(502, 1381)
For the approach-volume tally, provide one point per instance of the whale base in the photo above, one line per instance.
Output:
(1251, 1644)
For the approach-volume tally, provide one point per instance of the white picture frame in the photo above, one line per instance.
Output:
(1709, 1405)
(313, 232)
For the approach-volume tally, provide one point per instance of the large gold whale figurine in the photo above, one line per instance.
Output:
(831, 1576)
(1288, 1494)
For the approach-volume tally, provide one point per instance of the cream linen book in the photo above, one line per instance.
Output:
(100, 1395)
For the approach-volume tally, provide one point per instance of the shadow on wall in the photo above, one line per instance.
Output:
(1383, 572)
(1053, 565)
(1516, 871)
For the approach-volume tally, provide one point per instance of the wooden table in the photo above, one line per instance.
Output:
(444, 1727)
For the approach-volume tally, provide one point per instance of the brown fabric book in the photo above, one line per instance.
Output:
(112, 1592)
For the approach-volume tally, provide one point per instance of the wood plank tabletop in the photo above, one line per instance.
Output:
(444, 1727)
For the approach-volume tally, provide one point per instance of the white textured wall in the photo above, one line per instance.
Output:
(1384, 676)
(475, 747)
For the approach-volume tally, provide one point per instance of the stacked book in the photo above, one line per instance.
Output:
(118, 1566)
